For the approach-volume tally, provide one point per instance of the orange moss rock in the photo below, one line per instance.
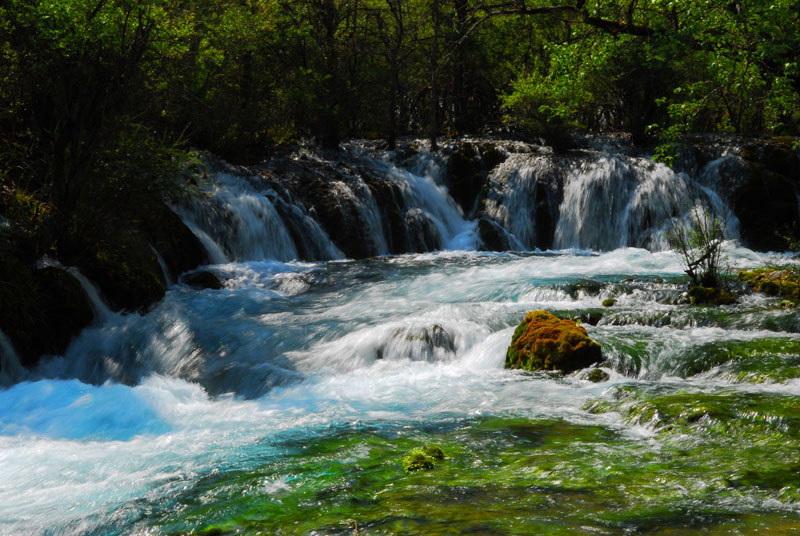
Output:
(545, 342)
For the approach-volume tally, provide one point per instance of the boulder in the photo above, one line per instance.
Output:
(493, 236)
(43, 317)
(202, 279)
(467, 170)
(545, 342)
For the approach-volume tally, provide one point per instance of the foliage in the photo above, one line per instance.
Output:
(101, 97)
(699, 241)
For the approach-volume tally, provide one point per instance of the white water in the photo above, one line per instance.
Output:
(590, 200)
(515, 189)
(299, 346)
(141, 407)
(600, 201)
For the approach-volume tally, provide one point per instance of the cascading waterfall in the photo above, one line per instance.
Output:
(613, 202)
(242, 221)
(306, 382)
(428, 199)
(524, 193)
(596, 201)
(100, 308)
(168, 281)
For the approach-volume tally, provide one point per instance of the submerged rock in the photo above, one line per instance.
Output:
(202, 279)
(422, 460)
(596, 375)
(545, 342)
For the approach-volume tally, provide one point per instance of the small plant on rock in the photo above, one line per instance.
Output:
(699, 241)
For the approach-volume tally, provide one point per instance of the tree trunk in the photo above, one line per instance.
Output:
(434, 125)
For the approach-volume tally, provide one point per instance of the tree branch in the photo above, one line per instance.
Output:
(610, 26)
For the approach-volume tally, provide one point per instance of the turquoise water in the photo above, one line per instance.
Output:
(284, 404)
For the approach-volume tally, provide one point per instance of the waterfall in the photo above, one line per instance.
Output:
(164, 270)
(11, 370)
(215, 253)
(614, 201)
(240, 219)
(596, 201)
(427, 200)
(357, 194)
(363, 203)
(100, 308)
(523, 197)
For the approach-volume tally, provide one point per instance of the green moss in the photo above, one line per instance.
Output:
(784, 283)
(710, 296)
(597, 376)
(422, 459)
(435, 452)
(417, 460)
(609, 302)
(544, 342)
(517, 475)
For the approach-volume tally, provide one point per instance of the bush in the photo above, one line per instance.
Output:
(699, 241)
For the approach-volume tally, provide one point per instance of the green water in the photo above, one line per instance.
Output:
(703, 468)
(306, 404)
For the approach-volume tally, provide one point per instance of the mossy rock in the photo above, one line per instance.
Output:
(710, 296)
(422, 459)
(773, 282)
(609, 302)
(417, 461)
(597, 375)
(435, 452)
(545, 342)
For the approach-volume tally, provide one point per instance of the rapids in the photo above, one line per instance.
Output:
(284, 402)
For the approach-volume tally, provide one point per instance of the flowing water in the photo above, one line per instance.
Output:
(285, 402)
